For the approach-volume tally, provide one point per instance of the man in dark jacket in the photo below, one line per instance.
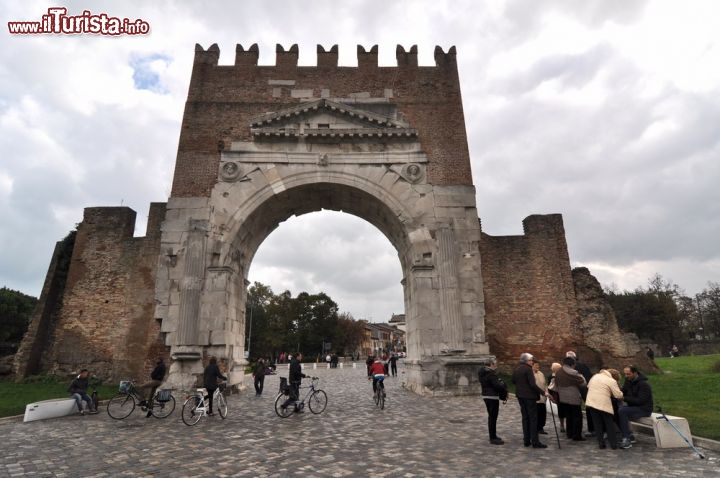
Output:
(528, 393)
(211, 374)
(295, 377)
(493, 390)
(259, 372)
(78, 389)
(638, 400)
(156, 377)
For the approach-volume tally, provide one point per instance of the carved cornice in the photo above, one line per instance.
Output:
(288, 123)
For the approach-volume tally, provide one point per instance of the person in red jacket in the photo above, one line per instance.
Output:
(376, 372)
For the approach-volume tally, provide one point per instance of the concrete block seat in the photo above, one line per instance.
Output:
(57, 407)
(665, 435)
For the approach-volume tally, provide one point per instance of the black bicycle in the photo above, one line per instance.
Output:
(380, 392)
(122, 405)
(316, 398)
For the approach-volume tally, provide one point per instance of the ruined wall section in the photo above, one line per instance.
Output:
(530, 303)
(223, 99)
(604, 342)
(28, 358)
(106, 320)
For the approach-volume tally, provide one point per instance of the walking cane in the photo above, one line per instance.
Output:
(553, 418)
(702, 457)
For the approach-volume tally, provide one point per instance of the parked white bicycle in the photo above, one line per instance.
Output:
(197, 405)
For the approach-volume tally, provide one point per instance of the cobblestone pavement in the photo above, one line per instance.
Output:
(413, 437)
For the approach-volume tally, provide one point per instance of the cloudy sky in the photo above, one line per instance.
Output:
(606, 111)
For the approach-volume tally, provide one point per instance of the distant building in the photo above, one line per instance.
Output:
(383, 338)
(398, 320)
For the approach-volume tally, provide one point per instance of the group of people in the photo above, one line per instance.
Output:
(608, 406)
(332, 359)
(146, 391)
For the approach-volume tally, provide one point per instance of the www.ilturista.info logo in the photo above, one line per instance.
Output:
(58, 22)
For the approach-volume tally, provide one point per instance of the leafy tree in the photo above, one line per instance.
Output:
(349, 334)
(707, 307)
(282, 323)
(652, 313)
(15, 311)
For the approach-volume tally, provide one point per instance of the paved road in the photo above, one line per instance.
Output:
(413, 437)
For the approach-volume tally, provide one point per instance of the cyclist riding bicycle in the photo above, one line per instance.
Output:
(377, 374)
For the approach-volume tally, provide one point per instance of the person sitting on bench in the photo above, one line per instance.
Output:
(638, 400)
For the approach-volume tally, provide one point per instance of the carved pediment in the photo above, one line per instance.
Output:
(325, 118)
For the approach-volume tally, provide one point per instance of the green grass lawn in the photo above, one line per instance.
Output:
(14, 396)
(689, 387)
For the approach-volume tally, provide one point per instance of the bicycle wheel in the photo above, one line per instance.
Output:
(317, 401)
(381, 398)
(121, 406)
(282, 412)
(163, 409)
(221, 405)
(190, 413)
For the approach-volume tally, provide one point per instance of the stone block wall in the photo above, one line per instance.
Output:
(105, 319)
(223, 99)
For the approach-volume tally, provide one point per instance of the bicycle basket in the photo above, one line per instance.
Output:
(164, 395)
(124, 386)
(284, 387)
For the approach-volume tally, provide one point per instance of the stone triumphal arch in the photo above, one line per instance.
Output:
(261, 144)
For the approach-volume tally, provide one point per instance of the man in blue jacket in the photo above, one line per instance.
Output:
(638, 402)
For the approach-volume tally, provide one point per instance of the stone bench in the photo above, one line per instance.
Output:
(665, 434)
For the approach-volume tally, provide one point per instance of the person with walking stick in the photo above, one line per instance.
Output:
(527, 393)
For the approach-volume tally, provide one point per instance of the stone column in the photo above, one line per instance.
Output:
(450, 313)
(191, 284)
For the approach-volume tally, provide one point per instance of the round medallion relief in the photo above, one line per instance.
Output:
(229, 171)
(413, 172)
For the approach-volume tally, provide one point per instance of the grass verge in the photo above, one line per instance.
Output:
(689, 387)
(14, 396)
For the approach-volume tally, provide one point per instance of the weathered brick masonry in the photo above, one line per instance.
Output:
(223, 99)
(105, 318)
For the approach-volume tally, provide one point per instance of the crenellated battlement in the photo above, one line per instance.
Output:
(285, 59)
(224, 99)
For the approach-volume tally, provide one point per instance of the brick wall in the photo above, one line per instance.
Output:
(28, 359)
(530, 303)
(106, 319)
(222, 99)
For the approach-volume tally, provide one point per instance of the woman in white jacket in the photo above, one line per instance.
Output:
(601, 389)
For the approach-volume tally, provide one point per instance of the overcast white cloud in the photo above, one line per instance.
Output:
(604, 111)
